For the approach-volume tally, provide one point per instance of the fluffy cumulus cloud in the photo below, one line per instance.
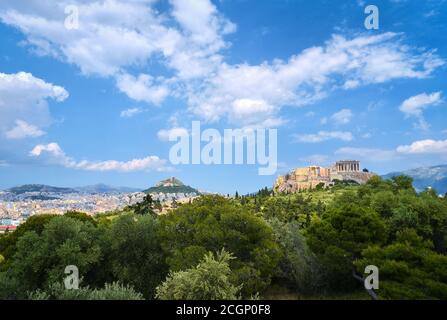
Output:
(324, 136)
(24, 130)
(415, 106)
(310, 75)
(187, 42)
(52, 153)
(24, 104)
(424, 147)
(142, 88)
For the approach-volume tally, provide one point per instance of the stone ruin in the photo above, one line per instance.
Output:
(310, 177)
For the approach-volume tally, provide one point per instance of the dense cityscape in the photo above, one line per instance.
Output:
(17, 204)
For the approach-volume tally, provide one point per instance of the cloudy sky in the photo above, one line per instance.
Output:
(94, 101)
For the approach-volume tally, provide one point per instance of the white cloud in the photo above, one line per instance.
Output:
(23, 104)
(414, 106)
(201, 20)
(129, 113)
(142, 88)
(111, 35)
(310, 75)
(24, 130)
(324, 136)
(351, 84)
(55, 155)
(51, 149)
(424, 147)
(254, 112)
(343, 116)
(115, 38)
(174, 132)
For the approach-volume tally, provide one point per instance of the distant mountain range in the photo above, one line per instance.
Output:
(171, 185)
(435, 177)
(97, 188)
(39, 188)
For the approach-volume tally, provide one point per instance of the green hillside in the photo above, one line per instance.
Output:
(171, 185)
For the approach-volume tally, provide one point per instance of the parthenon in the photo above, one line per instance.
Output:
(347, 166)
(310, 177)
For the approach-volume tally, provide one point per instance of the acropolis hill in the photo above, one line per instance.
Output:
(310, 177)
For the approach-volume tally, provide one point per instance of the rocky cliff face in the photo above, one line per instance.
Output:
(310, 177)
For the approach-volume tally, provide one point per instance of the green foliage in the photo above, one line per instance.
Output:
(209, 280)
(8, 243)
(339, 237)
(305, 243)
(213, 222)
(298, 267)
(113, 291)
(41, 259)
(172, 189)
(146, 206)
(81, 216)
(133, 254)
(295, 208)
(409, 269)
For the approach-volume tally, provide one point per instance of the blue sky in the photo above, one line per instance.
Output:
(94, 103)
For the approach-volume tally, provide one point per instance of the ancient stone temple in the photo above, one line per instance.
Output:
(347, 166)
(310, 177)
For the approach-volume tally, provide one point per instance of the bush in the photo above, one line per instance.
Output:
(209, 280)
(113, 291)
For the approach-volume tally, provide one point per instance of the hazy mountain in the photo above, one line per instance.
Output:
(40, 188)
(97, 188)
(171, 185)
(103, 188)
(435, 177)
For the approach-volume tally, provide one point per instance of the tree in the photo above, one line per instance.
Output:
(133, 254)
(298, 267)
(209, 280)
(402, 182)
(81, 216)
(339, 237)
(409, 269)
(214, 222)
(146, 206)
(41, 259)
(8, 242)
